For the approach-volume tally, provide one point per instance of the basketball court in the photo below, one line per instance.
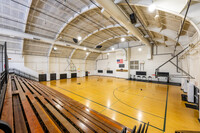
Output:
(130, 102)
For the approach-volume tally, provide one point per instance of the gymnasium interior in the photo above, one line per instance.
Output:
(95, 66)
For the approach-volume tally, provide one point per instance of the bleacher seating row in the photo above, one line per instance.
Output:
(32, 107)
(148, 78)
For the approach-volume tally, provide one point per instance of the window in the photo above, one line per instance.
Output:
(134, 65)
(121, 65)
(100, 71)
(110, 71)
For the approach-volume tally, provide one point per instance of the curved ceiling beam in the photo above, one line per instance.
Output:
(86, 9)
(50, 50)
(87, 55)
(72, 53)
(115, 37)
(99, 30)
(27, 13)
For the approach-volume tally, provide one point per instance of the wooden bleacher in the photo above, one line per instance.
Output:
(32, 107)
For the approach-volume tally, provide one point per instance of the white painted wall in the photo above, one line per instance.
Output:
(35, 65)
(149, 65)
(105, 62)
(59, 66)
(80, 67)
(91, 67)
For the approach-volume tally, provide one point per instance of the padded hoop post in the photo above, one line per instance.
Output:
(5, 127)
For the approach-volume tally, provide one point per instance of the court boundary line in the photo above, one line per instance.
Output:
(134, 107)
(108, 107)
(165, 117)
(156, 82)
(142, 96)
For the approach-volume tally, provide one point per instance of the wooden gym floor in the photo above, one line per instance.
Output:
(132, 102)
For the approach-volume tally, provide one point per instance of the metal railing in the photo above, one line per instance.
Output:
(2, 89)
(3, 77)
(22, 74)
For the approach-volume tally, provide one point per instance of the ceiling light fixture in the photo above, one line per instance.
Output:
(156, 16)
(138, 25)
(139, 49)
(85, 48)
(113, 49)
(123, 39)
(152, 7)
(108, 53)
(55, 48)
(87, 53)
(12, 36)
(79, 38)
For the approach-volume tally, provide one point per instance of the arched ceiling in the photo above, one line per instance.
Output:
(63, 20)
